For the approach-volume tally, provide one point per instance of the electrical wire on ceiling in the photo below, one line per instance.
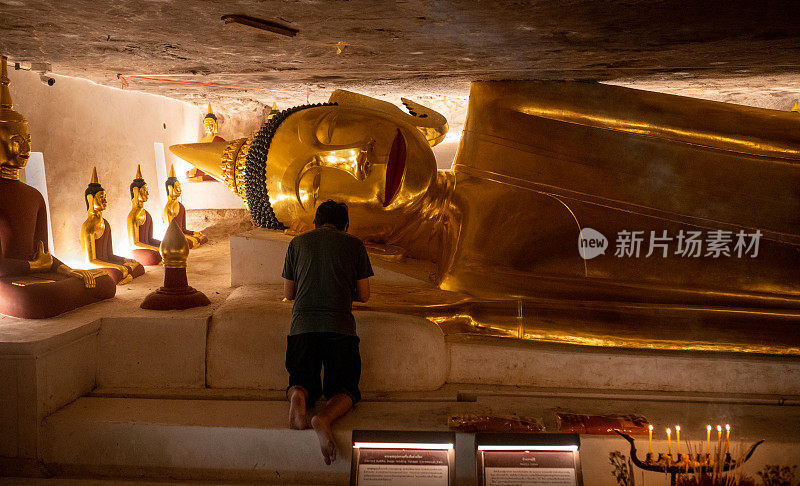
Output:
(124, 79)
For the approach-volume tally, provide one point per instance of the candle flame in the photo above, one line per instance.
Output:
(650, 427)
(708, 428)
(728, 427)
(719, 428)
(677, 428)
(669, 431)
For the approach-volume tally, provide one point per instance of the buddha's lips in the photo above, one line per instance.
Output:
(395, 168)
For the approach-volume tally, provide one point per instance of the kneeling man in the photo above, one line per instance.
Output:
(325, 271)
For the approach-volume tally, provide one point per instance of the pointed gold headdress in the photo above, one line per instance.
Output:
(138, 171)
(210, 113)
(7, 113)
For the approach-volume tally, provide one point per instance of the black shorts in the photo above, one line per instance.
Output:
(308, 353)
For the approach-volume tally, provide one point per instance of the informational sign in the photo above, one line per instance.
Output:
(402, 459)
(528, 459)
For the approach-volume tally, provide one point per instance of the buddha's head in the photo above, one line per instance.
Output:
(95, 195)
(210, 122)
(15, 142)
(358, 150)
(173, 185)
(138, 188)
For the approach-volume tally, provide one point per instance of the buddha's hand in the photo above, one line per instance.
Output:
(42, 261)
(130, 262)
(88, 277)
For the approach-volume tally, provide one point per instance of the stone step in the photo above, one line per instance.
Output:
(247, 440)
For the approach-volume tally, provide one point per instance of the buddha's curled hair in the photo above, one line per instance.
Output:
(137, 183)
(93, 188)
(255, 176)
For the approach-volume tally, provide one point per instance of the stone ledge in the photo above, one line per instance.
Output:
(249, 440)
(245, 350)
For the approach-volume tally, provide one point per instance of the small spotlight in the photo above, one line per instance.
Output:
(45, 79)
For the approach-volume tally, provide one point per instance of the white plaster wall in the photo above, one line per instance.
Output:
(78, 124)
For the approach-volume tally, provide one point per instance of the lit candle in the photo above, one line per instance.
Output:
(650, 446)
(719, 439)
(678, 438)
(708, 439)
(669, 441)
(727, 438)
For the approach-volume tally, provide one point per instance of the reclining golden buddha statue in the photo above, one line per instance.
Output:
(33, 283)
(700, 198)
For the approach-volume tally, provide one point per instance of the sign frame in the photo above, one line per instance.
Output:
(544, 442)
(402, 439)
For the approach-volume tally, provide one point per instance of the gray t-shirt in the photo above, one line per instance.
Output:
(324, 265)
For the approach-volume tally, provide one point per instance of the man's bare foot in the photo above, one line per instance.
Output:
(297, 410)
(323, 429)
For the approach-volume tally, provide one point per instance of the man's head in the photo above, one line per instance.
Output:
(331, 212)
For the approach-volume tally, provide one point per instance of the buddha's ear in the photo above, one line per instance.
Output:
(431, 123)
(135, 193)
(89, 201)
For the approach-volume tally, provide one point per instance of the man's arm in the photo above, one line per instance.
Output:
(289, 289)
(362, 290)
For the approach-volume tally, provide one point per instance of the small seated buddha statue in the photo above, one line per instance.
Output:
(140, 224)
(33, 283)
(210, 128)
(174, 209)
(96, 242)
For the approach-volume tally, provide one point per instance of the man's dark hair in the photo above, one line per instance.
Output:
(140, 183)
(331, 212)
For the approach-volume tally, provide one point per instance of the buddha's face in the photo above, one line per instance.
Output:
(374, 163)
(142, 193)
(175, 190)
(98, 202)
(210, 126)
(15, 145)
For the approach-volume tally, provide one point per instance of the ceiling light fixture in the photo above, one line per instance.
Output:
(262, 24)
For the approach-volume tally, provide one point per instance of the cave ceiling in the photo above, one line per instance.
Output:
(427, 50)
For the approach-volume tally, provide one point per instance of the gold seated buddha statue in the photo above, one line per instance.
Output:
(33, 283)
(140, 224)
(175, 209)
(96, 241)
(538, 162)
(210, 128)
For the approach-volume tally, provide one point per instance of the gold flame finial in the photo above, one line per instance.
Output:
(94, 176)
(794, 107)
(174, 249)
(138, 171)
(7, 113)
(210, 111)
(5, 93)
(172, 170)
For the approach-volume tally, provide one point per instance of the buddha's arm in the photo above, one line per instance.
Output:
(133, 234)
(90, 252)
